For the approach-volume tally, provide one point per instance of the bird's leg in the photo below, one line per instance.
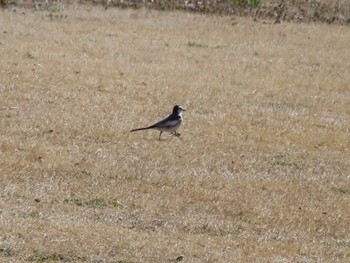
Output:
(160, 134)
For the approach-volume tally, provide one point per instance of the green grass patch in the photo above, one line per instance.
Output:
(95, 202)
(254, 3)
(7, 252)
(49, 9)
(196, 45)
(29, 55)
(43, 257)
(199, 45)
(280, 160)
(341, 190)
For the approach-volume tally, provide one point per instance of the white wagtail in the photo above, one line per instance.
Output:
(169, 124)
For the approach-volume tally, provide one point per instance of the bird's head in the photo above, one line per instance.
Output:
(178, 109)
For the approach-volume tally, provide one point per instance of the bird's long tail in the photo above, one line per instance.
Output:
(140, 129)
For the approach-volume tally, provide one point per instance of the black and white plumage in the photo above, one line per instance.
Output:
(170, 124)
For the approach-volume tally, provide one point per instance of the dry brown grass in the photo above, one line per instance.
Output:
(261, 176)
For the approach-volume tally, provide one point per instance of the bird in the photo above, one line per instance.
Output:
(170, 124)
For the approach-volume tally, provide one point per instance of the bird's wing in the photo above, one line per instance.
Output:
(167, 122)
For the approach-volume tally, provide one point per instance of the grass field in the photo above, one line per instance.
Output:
(262, 173)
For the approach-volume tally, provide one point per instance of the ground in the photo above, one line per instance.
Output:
(262, 173)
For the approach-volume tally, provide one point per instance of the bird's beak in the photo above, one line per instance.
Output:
(183, 109)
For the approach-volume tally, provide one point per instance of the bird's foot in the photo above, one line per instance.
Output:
(176, 134)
